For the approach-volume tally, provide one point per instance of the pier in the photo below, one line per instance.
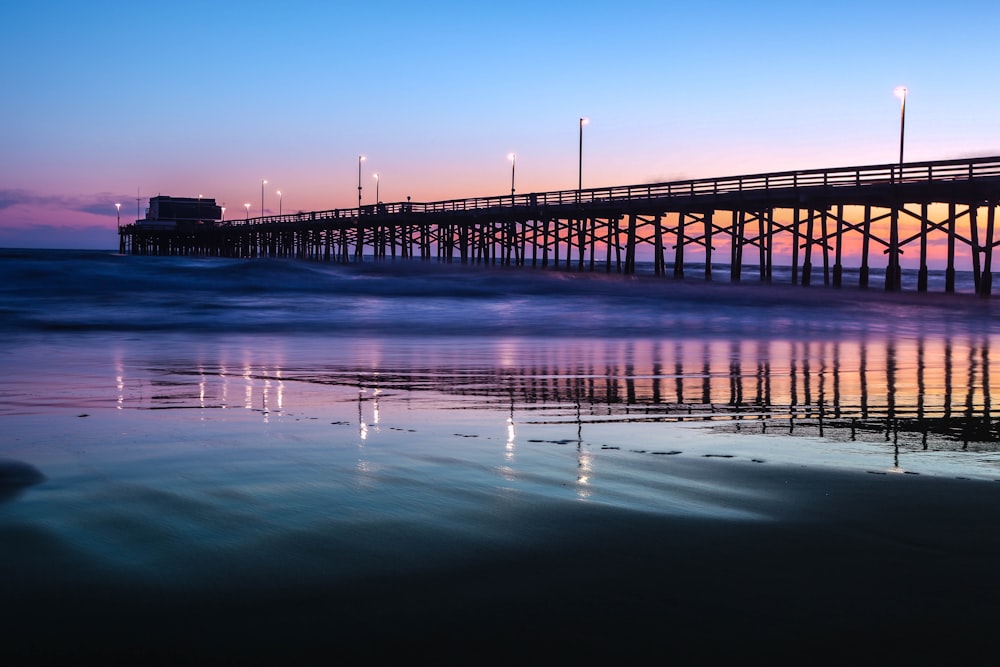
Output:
(817, 221)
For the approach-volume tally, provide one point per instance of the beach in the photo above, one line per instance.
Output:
(264, 461)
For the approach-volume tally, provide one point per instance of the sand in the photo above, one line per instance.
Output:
(849, 565)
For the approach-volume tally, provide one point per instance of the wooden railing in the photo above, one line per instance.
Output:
(939, 171)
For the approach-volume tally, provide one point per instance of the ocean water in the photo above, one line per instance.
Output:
(308, 440)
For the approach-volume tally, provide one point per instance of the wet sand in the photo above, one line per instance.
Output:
(841, 565)
(188, 515)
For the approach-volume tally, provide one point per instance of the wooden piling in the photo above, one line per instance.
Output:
(949, 272)
(865, 241)
(679, 247)
(838, 266)
(986, 283)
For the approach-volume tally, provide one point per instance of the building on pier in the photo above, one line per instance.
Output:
(166, 212)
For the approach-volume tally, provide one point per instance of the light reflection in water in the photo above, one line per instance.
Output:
(201, 387)
(120, 382)
(511, 436)
(584, 469)
(263, 399)
(281, 391)
(362, 425)
(248, 389)
(939, 388)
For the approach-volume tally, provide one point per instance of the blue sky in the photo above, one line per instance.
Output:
(104, 99)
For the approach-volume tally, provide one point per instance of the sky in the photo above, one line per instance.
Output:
(109, 101)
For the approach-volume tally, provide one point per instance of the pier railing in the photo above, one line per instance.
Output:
(939, 171)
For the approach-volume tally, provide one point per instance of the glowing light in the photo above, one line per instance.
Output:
(513, 163)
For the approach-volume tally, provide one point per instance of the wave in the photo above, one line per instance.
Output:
(100, 291)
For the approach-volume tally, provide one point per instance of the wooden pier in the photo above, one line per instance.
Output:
(868, 215)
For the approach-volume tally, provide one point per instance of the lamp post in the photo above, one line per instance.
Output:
(279, 202)
(118, 210)
(376, 177)
(247, 206)
(579, 181)
(513, 162)
(223, 214)
(262, 184)
(361, 158)
(900, 92)
(893, 272)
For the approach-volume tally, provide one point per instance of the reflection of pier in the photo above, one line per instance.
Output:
(925, 390)
(936, 390)
(832, 216)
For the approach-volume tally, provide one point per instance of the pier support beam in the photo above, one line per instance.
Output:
(986, 283)
(679, 247)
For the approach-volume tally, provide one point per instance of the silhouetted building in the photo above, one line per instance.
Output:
(167, 211)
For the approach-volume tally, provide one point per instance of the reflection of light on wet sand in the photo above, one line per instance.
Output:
(248, 391)
(362, 426)
(120, 381)
(201, 387)
(367, 472)
(224, 378)
(263, 399)
(508, 455)
(584, 468)
(281, 391)
(507, 353)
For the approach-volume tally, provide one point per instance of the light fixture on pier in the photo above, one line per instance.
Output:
(247, 205)
(361, 158)
(900, 92)
(513, 162)
(376, 177)
(223, 214)
(279, 202)
(579, 182)
(262, 184)
(118, 210)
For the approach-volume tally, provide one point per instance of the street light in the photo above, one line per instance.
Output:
(513, 162)
(223, 214)
(361, 158)
(262, 184)
(118, 209)
(279, 202)
(247, 205)
(579, 182)
(900, 92)
(375, 175)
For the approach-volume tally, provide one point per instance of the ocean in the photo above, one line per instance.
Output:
(208, 458)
